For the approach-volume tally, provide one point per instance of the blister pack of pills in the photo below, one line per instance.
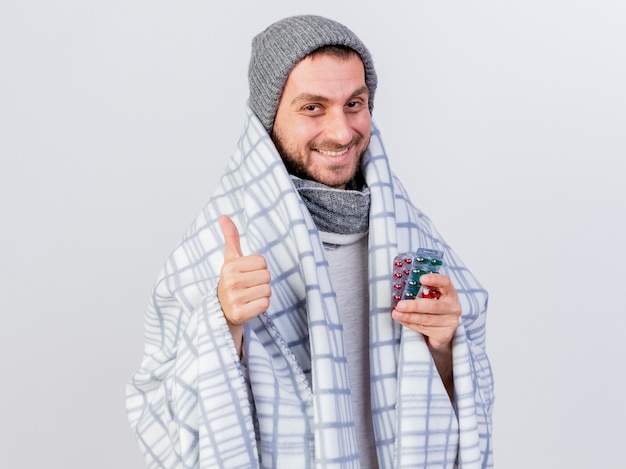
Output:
(407, 270)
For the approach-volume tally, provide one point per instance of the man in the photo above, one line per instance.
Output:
(271, 340)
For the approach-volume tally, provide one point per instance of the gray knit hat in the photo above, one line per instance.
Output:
(277, 50)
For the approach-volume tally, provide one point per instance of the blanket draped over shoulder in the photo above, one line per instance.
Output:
(287, 404)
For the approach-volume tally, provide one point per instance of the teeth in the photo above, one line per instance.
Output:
(333, 153)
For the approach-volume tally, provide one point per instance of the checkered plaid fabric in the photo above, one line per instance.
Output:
(194, 404)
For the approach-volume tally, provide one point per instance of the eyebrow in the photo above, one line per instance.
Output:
(306, 97)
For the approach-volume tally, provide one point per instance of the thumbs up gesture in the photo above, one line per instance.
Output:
(244, 287)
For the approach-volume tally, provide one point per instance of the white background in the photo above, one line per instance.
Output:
(116, 118)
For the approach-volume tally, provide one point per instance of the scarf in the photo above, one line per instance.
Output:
(192, 403)
(340, 215)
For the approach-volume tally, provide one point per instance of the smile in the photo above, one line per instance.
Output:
(333, 153)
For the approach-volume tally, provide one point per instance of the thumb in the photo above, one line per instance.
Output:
(232, 244)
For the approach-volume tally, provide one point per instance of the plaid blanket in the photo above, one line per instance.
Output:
(287, 404)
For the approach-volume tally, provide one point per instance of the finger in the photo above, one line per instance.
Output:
(440, 282)
(435, 280)
(241, 314)
(249, 295)
(238, 278)
(422, 306)
(232, 240)
(426, 319)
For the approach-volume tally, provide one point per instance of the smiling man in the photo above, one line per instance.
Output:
(323, 123)
(271, 340)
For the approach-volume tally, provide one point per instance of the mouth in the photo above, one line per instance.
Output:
(333, 153)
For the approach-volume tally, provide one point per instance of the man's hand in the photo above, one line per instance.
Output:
(244, 287)
(437, 320)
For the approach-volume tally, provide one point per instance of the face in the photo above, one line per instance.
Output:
(323, 124)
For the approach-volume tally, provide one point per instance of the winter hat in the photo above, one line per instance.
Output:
(278, 49)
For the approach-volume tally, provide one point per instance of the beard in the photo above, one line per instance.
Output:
(296, 164)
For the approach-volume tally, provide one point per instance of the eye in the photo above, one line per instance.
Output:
(356, 104)
(311, 107)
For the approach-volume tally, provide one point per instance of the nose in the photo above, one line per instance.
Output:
(338, 128)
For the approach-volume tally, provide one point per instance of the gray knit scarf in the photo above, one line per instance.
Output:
(340, 212)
